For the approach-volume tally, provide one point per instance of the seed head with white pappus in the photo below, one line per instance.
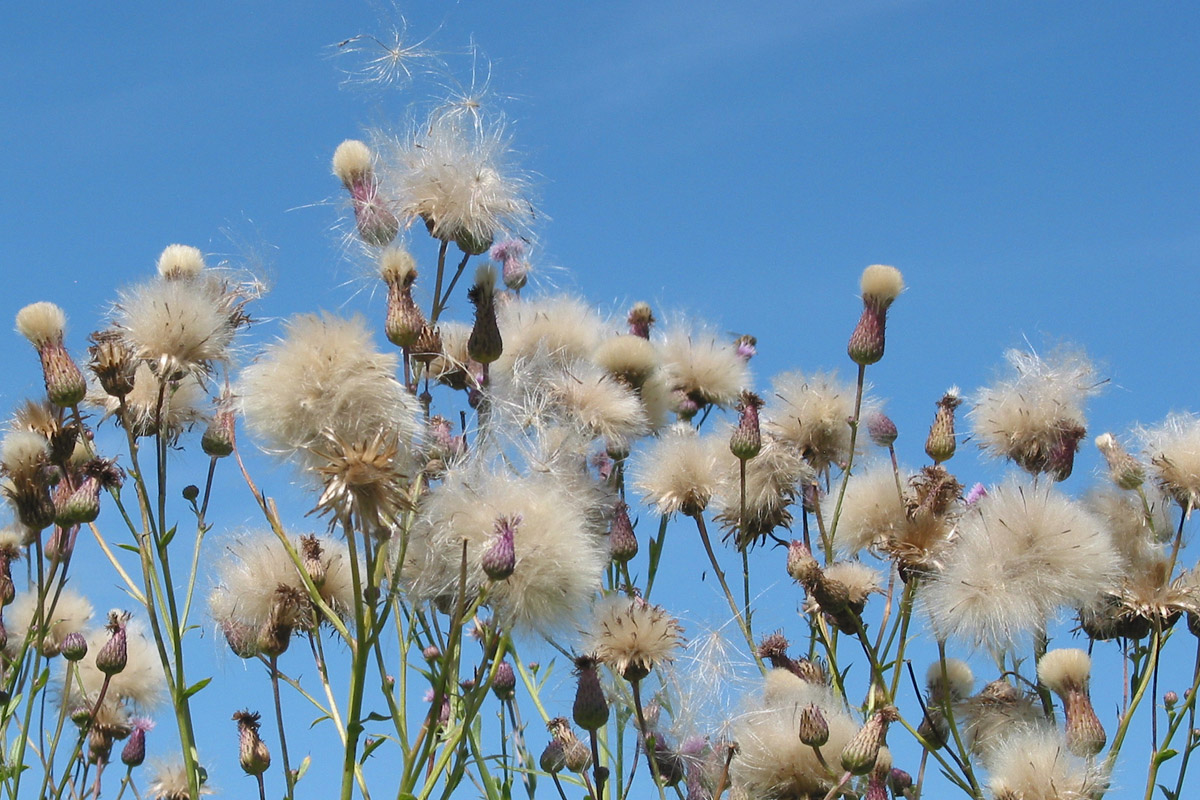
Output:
(184, 404)
(1173, 447)
(881, 285)
(139, 683)
(1125, 470)
(559, 328)
(872, 510)
(1035, 417)
(71, 614)
(771, 760)
(44, 324)
(632, 636)
(601, 404)
(1066, 672)
(1033, 763)
(455, 178)
(679, 472)
(324, 379)
(988, 718)
(811, 414)
(771, 480)
(628, 358)
(180, 261)
(559, 547)
(706, 369)
(169, 781)
(374, 219)
(1022, 553)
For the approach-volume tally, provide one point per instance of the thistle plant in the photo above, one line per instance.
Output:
(487, 569)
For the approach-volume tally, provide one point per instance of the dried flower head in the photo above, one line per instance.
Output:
(1021, 553)
(365, 482)
(178, 403)
(881, 285)
(989, 717)
(772, 478)
(1035, 417)
(1125, 470)
(1173, 448)
(375, 221)
(628, 358)
(558, 328)
(632, 636)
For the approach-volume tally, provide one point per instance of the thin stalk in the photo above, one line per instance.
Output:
(288, 777)
(358, 668)
(441, 306)
(837, 509)
(712, 557)
(647, 738)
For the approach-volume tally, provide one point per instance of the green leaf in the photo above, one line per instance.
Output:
(371, 748)
(321, 718)
(195, 687)
(1165, 756)
(375, 716)
(41, 681)
(304, 765)
(133, 548)
(168, 536)
(1168, 793)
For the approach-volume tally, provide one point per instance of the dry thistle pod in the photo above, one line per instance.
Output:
(590, 710)
(860, 754)
(253, 754)
(746, 440)
(113, 655)
(940, 444)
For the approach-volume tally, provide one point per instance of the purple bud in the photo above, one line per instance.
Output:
(504, 683)
(500, 558)
(113, 655)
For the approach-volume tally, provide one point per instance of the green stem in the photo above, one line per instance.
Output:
(837, 509)
(741, 621)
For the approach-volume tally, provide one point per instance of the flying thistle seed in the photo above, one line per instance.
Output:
(641, 320)
(485, 344)
(746, 346)
(860, 753)
(941, 444)
(500, 558)
(253, 754)
(1126, 471)
(622, 542)
(881, 429)
(134, 752)
(504, 682)
(746, 441)
(83, 504)
(74, 646)
(43, 325)
(376, 224)
(880, 286)
(113, 655)
(112, 362)
(814, 730)
(591, 709)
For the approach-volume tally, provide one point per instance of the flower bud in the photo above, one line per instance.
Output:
(1170, 699)
(746, 346)
(112, 362)
(504, 682)
(376, 224)
(500, 557)
(814, 730)
(746, 441)
(860, 753)
(253, 754)
(74, 646)
(591, 708)
(134, 752)
(1125, 470)
(43, 324)
(113, 655)
(1066, 672)
(940, 444)
(900, 781)
(553, 759)
(881, 429)
(220, 439)
(431, 653)
(880, 286)
(510, 254)
(621, 539)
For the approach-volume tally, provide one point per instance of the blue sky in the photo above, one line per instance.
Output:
(1031, 168)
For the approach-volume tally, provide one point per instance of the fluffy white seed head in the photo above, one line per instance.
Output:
(185, 403)
(595, 400)
(881, 284)
(631, 635)
(703, 366)
(1064, 668)
(41, 323)
(811, 414)
(1173, 447)
(325, 379)
(559, 545)
(71, 614)
(872, 511)
(396, 264)
(1036, 416)
(1022, 553)
(859, 579)
(957, 682)
(559, 328)
(351, 161)
(1034, 763)
(23, 452)
(180, 261)
(772, 481)
(771, 760)
(179, 325)
(679, 471)
(168, 780)
(627, 357)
